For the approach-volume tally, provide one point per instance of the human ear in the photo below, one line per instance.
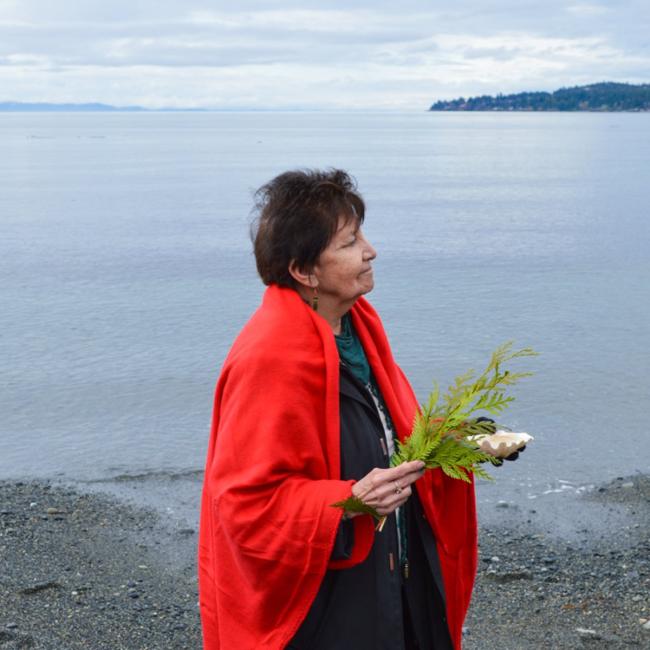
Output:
(303, 277)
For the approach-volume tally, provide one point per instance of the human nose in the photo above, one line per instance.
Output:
(369, 252)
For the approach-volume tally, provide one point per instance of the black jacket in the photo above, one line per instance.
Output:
(373, 606)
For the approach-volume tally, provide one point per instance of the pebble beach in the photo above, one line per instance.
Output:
(85, 571)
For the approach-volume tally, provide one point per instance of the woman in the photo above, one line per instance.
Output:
(306, 411)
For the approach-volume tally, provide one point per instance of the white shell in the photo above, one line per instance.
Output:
(503, 443)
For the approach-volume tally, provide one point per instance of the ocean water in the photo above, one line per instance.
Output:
(126, 271)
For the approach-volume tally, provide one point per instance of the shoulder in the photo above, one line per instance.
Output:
(281, 338)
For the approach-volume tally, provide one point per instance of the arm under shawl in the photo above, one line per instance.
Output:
(267, 525)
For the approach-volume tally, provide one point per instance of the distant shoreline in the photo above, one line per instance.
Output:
(526, 110)
(46, 107)
(16, 107)
(206, 111)
(604, 97)
(66, 110)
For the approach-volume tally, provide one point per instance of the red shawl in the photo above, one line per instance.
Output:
(272, 473)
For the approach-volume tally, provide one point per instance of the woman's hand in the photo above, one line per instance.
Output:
(387, 489)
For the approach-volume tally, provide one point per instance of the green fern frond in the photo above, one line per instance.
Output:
(356, 505)
(443, 431)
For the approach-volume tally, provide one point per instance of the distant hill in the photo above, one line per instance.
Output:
(88, 108)
(606, 96)
(42, 106)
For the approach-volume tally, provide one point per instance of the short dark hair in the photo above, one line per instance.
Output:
(297, 214)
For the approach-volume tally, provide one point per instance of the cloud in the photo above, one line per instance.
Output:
(298, 54)
(588, 10)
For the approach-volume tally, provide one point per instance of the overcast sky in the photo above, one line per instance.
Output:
(332, 55)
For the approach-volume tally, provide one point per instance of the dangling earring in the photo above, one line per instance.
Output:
(314, 299)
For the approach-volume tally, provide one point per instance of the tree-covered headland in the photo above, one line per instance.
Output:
(606, 96)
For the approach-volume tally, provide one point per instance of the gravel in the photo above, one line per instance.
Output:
(86, 571)
(536, 590)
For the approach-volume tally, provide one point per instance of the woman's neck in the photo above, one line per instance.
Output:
(332, 313)
(331, 310)
(335, 322)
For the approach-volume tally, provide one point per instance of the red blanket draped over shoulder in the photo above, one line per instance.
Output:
(272, 472)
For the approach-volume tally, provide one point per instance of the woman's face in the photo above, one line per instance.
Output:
(344, 270)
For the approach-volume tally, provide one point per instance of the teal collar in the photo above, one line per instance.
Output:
(351, 351)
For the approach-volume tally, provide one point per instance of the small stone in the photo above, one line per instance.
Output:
(637, 598)
(495, 558)
(11, 626)
(33, 504)
(508, 576)
(186, 531)
(627, 485)
(54, 511)
(502, 504)
(586, 633)
(40, 586)
(646, 626)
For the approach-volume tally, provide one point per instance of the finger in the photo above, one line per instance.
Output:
(410, 478)
(366, 487)
(380, 490)
(396, 486)
(392, 492)
(404, 496)
(381, 483)
(395, 496)
(367, 493)
(392, 502)
(398, 472)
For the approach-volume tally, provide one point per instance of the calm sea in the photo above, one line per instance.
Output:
(126, 272)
